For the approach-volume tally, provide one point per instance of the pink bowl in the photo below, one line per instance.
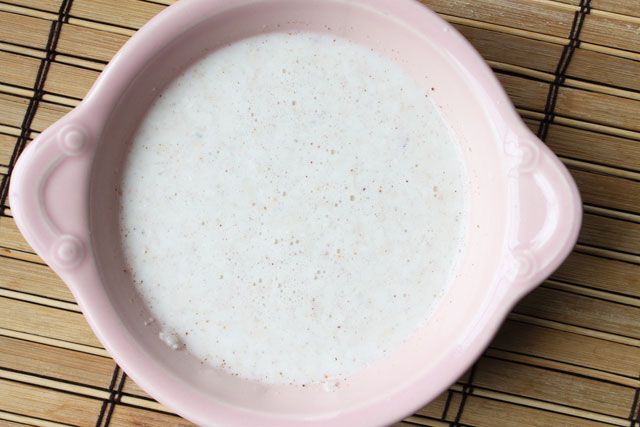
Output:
(525, 211)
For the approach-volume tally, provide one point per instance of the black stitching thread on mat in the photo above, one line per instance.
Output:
(634, 413)
(65, 10)
(561, 69)
(38, 90)
(115, 399)
(634, 407)
(466, 390)
(447, 404)
(4, 181)
(103, 408)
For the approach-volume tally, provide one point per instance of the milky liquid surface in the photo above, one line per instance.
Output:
(292, 208)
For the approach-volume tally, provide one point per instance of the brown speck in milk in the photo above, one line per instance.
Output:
(352, 197)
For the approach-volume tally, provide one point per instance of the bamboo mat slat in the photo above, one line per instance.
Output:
(599, 108)
(56, 363)
(562, 366)
(12, 109)
(10, 237)
(596, 148)
(123, 14)
(579, 350)
(67, 80)
(625, 7)
(523, 51)
(21, 71)
(606, 69)
(46, 5)
(89, 43)
(6, 148)
(508, 415)
(573, 309)
(437, 408)
(610, 233)
(605, 30)
(521, 14)
(605, 274)
(47, 114)
(133, 389)
(613, 192)
(23, 30)
(32, 278)
(525, 93)
(48, 404)
(46, 321)
(540, 384)
(126, 416)
(569, 355)
(5, 423)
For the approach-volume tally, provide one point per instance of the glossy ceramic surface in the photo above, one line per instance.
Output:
(525, 211)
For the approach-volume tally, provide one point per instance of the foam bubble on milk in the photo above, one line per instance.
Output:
(292, 208)
(171, 339)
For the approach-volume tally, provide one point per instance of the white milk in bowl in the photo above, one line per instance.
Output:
(292, 208)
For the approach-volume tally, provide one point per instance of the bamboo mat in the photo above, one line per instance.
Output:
(568, 355)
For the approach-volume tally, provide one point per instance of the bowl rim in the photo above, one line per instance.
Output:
(68, 250)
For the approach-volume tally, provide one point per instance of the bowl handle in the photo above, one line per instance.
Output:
(545, 210)
(49, 193)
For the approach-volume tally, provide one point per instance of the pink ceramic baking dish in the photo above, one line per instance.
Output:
(525, 211)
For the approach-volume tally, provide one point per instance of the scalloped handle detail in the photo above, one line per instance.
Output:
(49, 193)
(545, 209)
